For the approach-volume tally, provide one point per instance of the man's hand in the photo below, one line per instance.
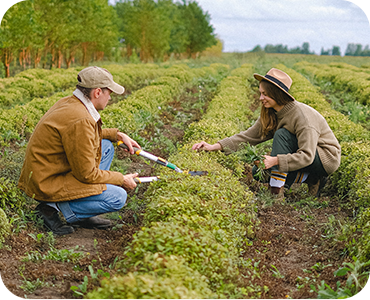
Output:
(128, 181)
(270, 161)
(129, 142)
(205, 146)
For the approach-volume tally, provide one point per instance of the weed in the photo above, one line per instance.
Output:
(42, 238)
(275, 272)
(320, 267)
(81, 289)
(62, 255)
(31, 286)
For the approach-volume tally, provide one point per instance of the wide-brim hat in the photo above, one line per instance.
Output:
(279, 78)
(96, 77)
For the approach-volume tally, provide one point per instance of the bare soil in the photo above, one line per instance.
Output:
(293, 246)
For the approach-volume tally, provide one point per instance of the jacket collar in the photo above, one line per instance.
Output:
(88, 104)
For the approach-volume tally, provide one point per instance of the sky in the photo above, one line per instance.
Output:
(244, 24)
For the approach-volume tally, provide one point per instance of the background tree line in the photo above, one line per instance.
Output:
(52, 33)
(352, 50)
(280, 48)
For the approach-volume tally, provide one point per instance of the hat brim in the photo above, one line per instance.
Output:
(260, 77)
(116, 88)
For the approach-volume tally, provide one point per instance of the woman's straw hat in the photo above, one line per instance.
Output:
(279, 78)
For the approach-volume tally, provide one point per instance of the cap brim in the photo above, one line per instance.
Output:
(116, 88)
(260, 77)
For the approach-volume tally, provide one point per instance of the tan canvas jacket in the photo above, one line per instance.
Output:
(63, 155)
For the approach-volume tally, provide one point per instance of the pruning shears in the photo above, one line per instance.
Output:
(160, 161)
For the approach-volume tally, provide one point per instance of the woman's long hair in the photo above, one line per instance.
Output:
(268, 115)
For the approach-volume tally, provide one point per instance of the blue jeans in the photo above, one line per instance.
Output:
(112, 199)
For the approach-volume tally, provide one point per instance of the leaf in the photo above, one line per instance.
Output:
(327, 294)
(341, 271)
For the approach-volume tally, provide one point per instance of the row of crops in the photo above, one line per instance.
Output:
(20, 120)
(195, 227)
(38, 83)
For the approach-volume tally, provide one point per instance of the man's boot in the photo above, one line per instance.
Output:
(93, 222)
(52, 221)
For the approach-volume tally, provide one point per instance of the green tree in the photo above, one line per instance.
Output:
(179, 38)
(336, 50)
(324, 52)
(130, 35)
(306, 48)
(276, 49)
(198, 27)
(351, 49)
(15, 29)
(100, 32)
(257, 48)
(68, 26)
(146, 26)
(366, 51)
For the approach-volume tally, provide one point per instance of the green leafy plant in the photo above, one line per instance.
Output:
(31, 286)
(275, 272)
(81, 289)
(357, 277)
(254, 155)
(63, 255)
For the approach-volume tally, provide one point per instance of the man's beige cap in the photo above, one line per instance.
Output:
(96, 77)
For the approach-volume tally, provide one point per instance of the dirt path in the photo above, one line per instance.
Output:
(295, 245)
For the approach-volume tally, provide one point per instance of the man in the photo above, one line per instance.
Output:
(67, 161)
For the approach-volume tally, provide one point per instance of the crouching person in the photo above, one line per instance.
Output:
(304, 147)
(68, 157)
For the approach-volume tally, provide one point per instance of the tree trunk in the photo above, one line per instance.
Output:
(52, 65)
(60, 59)
(21, 58)
(28, 57)
(85, 60)
(7, 58)
(129, 50)
(143, 48)
(37, 58)
(100, 55)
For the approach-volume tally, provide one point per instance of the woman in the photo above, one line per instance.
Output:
(304, 147)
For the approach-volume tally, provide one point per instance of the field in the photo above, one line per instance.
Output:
(220, 235)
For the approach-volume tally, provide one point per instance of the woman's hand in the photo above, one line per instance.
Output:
(205, 146)
(129, 142)
(270, 161)
(128, 181)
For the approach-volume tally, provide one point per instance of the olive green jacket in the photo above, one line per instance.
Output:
(63, 155)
